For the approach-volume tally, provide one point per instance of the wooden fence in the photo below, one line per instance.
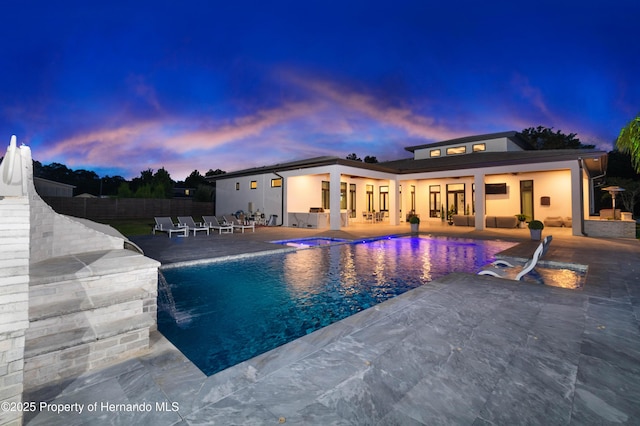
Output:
(128, 208)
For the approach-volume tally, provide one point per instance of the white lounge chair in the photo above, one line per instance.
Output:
(502, 272)
(213, 223)
(545, 247)
(165, 224)
(237, 224)
(187, 222)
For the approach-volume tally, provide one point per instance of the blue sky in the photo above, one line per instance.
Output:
(119, 87)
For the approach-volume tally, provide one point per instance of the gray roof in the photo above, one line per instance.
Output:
(595, 162)
(511, 135)
(504, 158)
(303, 164)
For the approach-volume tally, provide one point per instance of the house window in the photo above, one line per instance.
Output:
(473, 198)
(343, 195)
(384, 198)
(325, 195)
(413, 198)
(254, 184)
(456, 150)
(237, 186)
(435, 202)
(434, 153)
(276, 183)
(479, 147)
(352, 199)
(369, 198)
(455, 198)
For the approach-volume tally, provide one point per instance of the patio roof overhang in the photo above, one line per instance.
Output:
(594, 163)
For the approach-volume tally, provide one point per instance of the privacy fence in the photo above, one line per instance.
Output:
(128, 208)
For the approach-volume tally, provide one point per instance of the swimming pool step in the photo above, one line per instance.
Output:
(87, 311)
(54, 357)
(73, 304)
(55, 321)
(85, 334)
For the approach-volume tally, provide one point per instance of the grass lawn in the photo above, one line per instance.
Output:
(131, 227)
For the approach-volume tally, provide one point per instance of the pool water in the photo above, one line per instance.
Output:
(224, 313)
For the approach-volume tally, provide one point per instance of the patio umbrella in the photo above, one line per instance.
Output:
(613, 190)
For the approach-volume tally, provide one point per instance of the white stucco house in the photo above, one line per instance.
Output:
(490, 175)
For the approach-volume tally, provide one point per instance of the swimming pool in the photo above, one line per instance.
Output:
(224, 313)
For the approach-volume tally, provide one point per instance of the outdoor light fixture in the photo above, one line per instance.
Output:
(613, 190)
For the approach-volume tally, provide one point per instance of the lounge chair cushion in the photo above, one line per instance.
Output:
(506, 221)
(553, 221)
(460, 220)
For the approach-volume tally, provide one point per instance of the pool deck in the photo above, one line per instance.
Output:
(465, 349)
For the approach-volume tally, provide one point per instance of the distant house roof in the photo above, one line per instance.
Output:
(50, 188)
(512, 135)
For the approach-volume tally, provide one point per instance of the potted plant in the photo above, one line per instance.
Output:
(536, 227)
(415, 223)
(522, 218)
(450, 214)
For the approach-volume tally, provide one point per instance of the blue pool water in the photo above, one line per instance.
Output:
(223, 313)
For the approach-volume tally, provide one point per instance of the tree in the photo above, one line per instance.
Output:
(353, 156)
(124, 191)
(367, 159)
(544, 138)
(111, 184)
(619, 165)
(194, 180)
(215, 172)
(204, 193)
(630, 197)
(629, 141)
(162, 179)
(152, 185)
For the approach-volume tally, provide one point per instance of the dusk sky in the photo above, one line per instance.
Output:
(123, 86)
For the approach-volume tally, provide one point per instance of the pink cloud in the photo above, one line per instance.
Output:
(403, 118)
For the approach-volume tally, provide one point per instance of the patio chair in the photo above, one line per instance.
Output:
(212, 223)
(502, 272)
(188, 223)
(237, 224)
(545, 247)
(165, 224)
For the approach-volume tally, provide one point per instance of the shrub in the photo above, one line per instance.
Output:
(536, 224)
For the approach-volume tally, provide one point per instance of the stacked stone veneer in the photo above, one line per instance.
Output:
(610, 228)
(72, 298)
(14, 294)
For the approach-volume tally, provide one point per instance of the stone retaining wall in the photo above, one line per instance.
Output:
(610, 228)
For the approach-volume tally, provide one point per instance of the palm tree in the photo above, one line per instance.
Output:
(629, 141)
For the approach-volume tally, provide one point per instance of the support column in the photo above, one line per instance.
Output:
(577, 206)
(334, 199)
(478, 180)
(394, 198)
